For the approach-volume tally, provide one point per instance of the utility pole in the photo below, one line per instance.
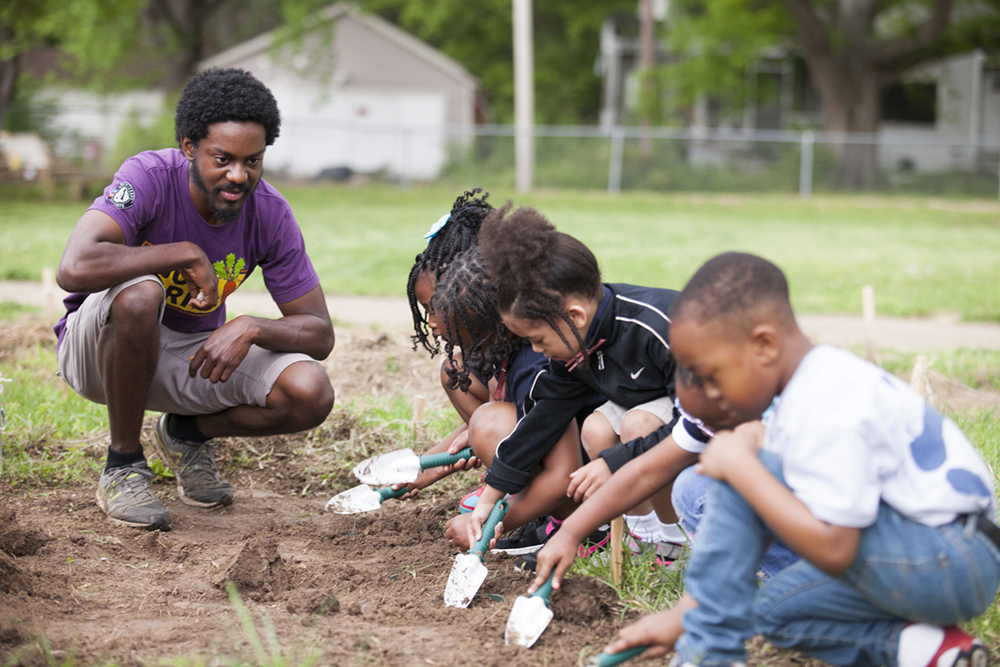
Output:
(524, 96)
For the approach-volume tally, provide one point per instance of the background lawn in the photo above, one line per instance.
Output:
(924, 257)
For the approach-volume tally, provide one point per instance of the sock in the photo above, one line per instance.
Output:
(646, 527)
(918, 643)
(117, 459)
(649, 528)
(184, 427)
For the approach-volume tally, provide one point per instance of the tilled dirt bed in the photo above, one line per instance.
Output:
(360, 589)
(365, 589)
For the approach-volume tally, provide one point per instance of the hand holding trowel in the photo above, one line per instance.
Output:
(529, 616)
(362, 498)
(610, 659)
(403, 465)
(468, 573)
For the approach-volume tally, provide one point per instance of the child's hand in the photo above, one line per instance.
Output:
(558, 554)
(654, 631)
(728, 452)
(587, 480)
(484, 507)
(460, 442)
(456, 532)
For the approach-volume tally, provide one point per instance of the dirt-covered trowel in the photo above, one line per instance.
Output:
(403, 466)
(362, 498)
(529, 617)
(468, 573)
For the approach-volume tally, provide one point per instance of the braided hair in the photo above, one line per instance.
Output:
(460, 233)
(467, 301)
(536, 268)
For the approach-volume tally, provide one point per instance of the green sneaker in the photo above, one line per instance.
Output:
(193, 464)
(126, 497)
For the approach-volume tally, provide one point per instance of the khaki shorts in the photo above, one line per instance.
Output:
(662, 408)
(172, 390)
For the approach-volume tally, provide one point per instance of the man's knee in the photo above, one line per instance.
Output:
(137, 307)
(305, 392)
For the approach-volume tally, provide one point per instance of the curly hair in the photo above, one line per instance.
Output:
(459, 234)
(467, 301)
(221, 95)
(536, 268)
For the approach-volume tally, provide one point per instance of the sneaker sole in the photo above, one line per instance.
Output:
(161, 453)
(977, 656)
(518, 551)
(130, 524)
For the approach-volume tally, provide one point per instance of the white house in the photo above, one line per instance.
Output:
(360, 94)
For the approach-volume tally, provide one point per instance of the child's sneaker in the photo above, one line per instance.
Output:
(595, 542)
(468, 502)
(529, 538)
(955, 648)
(667, 553)
(527, 562)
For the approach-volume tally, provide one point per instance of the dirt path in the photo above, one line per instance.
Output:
(907, 335)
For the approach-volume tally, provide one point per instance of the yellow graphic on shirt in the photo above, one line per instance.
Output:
(231, 275)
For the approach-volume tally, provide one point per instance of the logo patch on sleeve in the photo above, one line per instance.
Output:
(123, 196)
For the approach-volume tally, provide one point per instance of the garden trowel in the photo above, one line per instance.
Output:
(403, 466)
(468, 573)
(609, 659)
(529, 617)
(361, 498)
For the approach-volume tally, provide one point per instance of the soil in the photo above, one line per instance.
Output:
(362, 589)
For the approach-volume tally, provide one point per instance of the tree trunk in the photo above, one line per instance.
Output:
(9, 71)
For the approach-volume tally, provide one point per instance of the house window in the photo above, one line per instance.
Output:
(910, 103)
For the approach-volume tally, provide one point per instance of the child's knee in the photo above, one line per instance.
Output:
(638, 424)
(490, 424)
(597, 434)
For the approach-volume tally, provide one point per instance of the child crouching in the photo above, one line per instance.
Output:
(887, 503)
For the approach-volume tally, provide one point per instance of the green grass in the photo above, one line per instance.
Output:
(922, 259)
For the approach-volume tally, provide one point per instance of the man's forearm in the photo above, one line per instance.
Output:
(307, 334)
(106, 264)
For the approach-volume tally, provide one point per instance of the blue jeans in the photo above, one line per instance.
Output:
(688, 498)
(903, 572)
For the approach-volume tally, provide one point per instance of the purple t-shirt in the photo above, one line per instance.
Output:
(150, 201)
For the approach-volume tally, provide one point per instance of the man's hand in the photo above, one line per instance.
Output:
(224, 351)
(202, 282)
(587, 480)
(558, 554)
(727, 453)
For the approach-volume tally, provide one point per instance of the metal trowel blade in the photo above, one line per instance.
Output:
(528, 619)
(467, 574)
(399, 467)
(361, 498)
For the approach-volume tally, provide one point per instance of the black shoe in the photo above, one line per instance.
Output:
(527, 562)
(527, 539)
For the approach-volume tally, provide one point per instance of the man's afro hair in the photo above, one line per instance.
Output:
(221, 95)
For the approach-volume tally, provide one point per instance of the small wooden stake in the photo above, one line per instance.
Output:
(918, 381)
(49, 294)
(617, 535)
(419, 403)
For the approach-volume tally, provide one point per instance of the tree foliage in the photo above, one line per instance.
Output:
(480, 37)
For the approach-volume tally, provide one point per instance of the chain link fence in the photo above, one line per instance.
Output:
(685, 160)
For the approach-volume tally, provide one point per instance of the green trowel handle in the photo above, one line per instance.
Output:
(545, 590)
(387, 492)
(609, 659)
(444, 459)
(496, 516)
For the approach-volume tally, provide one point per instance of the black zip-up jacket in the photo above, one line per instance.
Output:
(632, 366)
